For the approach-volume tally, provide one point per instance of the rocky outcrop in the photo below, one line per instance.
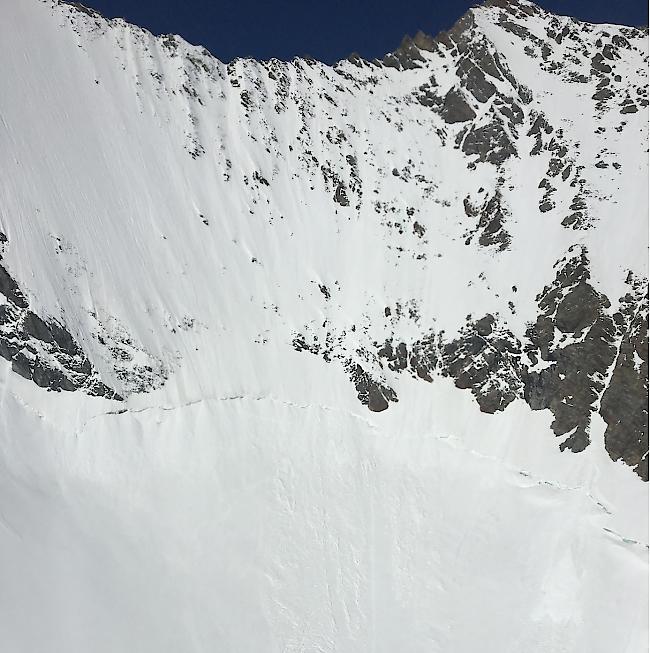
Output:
(486, 359)
(370, 391)
(490, 143)
(42, 350)
(491, 219)
(624, 405)
(455, 108)
(577, 359)
(572, 345)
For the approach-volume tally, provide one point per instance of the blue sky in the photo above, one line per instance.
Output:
(328, 30)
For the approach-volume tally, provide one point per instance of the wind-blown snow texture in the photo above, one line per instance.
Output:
(310, 358)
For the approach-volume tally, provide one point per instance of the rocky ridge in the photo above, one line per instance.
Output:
(581, 352)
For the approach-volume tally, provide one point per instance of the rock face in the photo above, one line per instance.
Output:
(42, 351)
(574, 338)
(491, 225)
(580, 354)
(577, 359)
(455, 108)
(460, 190)
(370, 392)
(624, 404)
(486, 360)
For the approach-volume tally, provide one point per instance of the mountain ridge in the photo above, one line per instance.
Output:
(479, 66)
(421, 39)
(296, 356)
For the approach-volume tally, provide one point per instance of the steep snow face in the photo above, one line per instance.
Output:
(397, 218)
(297, 357)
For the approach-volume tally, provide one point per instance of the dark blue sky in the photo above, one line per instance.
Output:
(327, 30)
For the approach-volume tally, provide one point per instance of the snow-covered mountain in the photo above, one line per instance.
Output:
(308, 358)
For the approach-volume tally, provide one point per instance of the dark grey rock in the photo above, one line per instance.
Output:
(624, 405)
(598, 64)
(80, 8)
(474, 80)
(370, 392)
(571, 385)
(490, 143)
(43, 351)
(455, 108)
(603, 94)
(491, 225)
(34, 326)
(511, 110)
(629, 108)
(9, 288)
(341, 196)
(486, 360)
(484, 325)
(579, 308)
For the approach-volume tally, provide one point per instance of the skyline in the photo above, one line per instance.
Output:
(287, 29)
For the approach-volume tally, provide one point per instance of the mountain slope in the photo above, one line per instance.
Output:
(298, 357)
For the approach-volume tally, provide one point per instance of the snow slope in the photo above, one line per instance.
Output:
(309, 358)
